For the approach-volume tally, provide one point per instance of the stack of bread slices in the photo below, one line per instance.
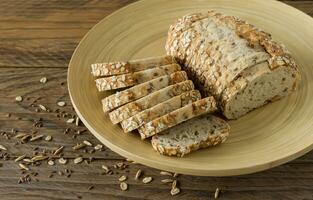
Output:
(154, 97)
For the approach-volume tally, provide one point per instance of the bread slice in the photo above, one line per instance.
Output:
(194, 134)
(256, 87)
(135, 107)
(202, 106)
(130, 79)
(117, 68)
(120, 98)
(160, 109)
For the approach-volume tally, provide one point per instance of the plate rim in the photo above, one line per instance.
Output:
(154, 164)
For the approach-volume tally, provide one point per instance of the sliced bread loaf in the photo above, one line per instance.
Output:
(120, 98)
(132, 108)
(200, 132)
(160, 109)
(202, 106)
(117, 68)
(130, 79)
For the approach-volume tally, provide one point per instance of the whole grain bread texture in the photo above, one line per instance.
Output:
(219, 51)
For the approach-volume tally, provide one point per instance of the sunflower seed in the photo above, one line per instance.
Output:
(78, 160)
(62, 161)
(174, 184)
(98, 146)
(3, 147)
(50, 162)
(138, 174)
(146, 180)
(175, 191)
(86, 142)
(79, 146)
(19, 98)
(37, 137)
(20, 158)
(42, 107)
(23, 166)
(61, 103)
(58, 150)
(38, 158)
(217, 193)
(27, 160)
(122, 178)
(70, 121)
(167, 180)
(43, 80)
(77, 121)
(48, 138)
(166, 173)
(123, 186)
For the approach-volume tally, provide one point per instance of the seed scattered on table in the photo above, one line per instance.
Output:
(48, 138)
(106, 168)
(22, 166)
(174, 184)
(175, 191)
(138, 174)
(123, 186)
(61, 103)
(37, 137)
(79, 146)
(58, 150)
(122, 178)
(86, 142)
(19, 98)
(3, 147)
(20, 158)
(78, 160)
(70, 121)
(167, 180)
(77, 121)
(146, 180)
(164, 173)
(42, 107)
(98, 147)
(43, 80)
(39, 158)
(50, 162)
(62, 161)
(217, 193)
(175, 174)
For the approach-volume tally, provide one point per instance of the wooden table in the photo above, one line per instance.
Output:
(37, 40)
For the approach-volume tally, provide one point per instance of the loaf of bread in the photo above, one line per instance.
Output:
(128, 110)
(131, 79)
(200, 132)
(117, 68)
(160, 109)
(202, 106)
(222, 53)
(138, 91)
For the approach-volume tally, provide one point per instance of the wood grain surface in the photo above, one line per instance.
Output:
(37, 39)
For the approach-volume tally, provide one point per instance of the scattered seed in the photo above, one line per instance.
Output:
(90, 187)
(23, 166)
(43, 80)
(120, 165)
(48, 138)
(19, 135)
(61, 103)
(106, 168)
(175, 191)
(42, 107)
(79, 146)
(167, 180)
(78, 160)
(146, 180)
(37, 137)
(123, 186)
(122, 178)
(71, 120)
(175, 174)
(77, 121)
(50, 162)
(98, 147)
(86, 142)
(138, 174)
(62, 161)
(38, 158)
(27, 160)
(19, 98)
(58, 150)
(166, 173)
(217, 193)
(3, 147)
(20, 158)
(174, 184)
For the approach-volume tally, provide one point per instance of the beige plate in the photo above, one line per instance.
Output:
(265, 138)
